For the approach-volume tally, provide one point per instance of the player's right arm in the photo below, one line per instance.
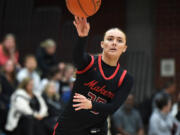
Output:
(80, 58)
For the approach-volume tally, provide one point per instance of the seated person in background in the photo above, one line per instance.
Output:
(8, 85)
(26, 111)
(29, 71)
(169, 89)
(176, 108)
(161, 121)
(67, 83)
(45, 56)
(127, 120)
(61, 67)
(53, 75)
(52, 100)
(8, 50)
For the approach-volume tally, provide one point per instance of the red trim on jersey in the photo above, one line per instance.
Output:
(55, 128)
(101, 70)
(122, 78)
(87, 68)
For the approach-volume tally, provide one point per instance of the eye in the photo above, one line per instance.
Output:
(109, 38)
(120, 41)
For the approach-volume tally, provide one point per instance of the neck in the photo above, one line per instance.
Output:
(30, 93)
(6, 52)
(111, 61)
(164, 111)
(8, 76)
(29, 70)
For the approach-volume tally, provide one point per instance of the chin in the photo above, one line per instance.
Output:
(113, 54)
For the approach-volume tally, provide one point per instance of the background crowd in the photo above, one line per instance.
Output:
(33, 94)
(36, 77)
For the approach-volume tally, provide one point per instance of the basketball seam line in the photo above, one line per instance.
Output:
(94, 5)
(82, 8)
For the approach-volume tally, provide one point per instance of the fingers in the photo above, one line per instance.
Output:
(80, 100)
(78, 106)
(81, 20)
(79, 96)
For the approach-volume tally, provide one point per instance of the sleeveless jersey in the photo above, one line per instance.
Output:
(93, 84)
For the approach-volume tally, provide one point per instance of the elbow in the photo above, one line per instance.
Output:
(112, 110)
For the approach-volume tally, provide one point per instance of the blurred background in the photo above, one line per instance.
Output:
(37, 39)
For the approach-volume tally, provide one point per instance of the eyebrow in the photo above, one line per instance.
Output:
(117, 37)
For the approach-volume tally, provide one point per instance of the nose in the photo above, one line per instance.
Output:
(114, 43)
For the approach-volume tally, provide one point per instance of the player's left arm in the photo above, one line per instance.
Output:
(109, 108)
(119, 98)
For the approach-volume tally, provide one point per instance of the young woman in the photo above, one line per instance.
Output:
(8, 50)
(101, 85)
(26, 111)
(8, 85)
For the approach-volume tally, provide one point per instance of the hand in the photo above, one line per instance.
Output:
(82, 26)
(38, 117)
(83, 102)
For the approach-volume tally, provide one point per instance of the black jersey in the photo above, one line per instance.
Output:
(107, 93)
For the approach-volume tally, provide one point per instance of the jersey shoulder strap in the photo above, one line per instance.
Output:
(87, 67)
(122, 78)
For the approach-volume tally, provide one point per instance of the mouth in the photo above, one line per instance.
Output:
(113, 49)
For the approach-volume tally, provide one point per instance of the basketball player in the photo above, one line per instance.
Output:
(101, 86)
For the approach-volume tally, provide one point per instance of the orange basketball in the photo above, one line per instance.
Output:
(83, 8)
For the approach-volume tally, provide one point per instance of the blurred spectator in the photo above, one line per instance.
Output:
(176, 108)
(52, 100)
(54, 75)
(128, 119)
(8, 50)
(29, 71)
(67, 83)
(8, 84)
(161, 122)
(46, 56)
(169, 89)
(61, 67)
(26, 111)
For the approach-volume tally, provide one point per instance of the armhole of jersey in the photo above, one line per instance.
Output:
(122, 78)
(86, 68)
(54, 132)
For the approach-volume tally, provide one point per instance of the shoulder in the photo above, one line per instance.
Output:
(126, 73)
(128, 79)
(155, 116)
(21, 94)
(23, 70)
(118, 113)
(128, 76)
(136, 112)
(35, 74)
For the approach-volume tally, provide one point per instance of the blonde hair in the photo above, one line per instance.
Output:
(24, 83)
(55, 96)
(9, 35)
(114, 29)
(48, 43)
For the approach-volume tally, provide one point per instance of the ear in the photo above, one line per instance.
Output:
(125, 48)
(102, 44)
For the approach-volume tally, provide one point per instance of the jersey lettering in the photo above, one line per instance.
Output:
(93, 97)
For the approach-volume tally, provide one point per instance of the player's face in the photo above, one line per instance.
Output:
(114, 43)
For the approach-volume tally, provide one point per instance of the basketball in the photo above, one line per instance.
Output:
(83, 8)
